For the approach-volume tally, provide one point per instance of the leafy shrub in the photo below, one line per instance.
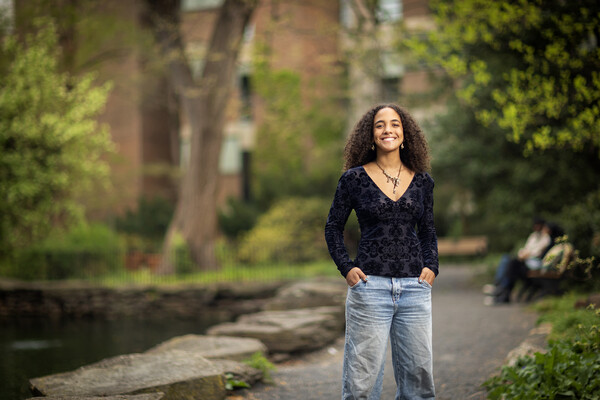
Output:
(566, 320)
(182, 256)
(83, 251)
(260, 362)
(237, 217)
(569, 370)
(150, 220)
(582, 222)
(291, 231)
(231, 383)
(53, 149)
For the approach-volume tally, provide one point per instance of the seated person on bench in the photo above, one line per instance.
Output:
(538, 242)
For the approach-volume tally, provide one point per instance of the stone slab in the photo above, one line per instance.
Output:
(177, 374)
(146, 396)
(308, 294)
(287, 331)
(214, 347)
(239, 371)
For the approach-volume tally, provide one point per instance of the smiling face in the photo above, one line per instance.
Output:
(388, 134)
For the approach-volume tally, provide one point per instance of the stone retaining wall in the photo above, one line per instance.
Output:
(75, 300)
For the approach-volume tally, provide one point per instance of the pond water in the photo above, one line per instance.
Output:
(32, 348)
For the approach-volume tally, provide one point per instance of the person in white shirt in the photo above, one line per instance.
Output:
(538, 242)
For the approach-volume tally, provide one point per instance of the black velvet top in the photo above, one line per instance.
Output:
(397, 238)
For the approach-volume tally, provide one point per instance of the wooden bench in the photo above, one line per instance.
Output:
(464, 246)
(546, 281)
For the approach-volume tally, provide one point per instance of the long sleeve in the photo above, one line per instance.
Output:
(426, 230)
(536, 244)
(334, 228)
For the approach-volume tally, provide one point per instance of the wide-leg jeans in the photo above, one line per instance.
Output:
(385, 309)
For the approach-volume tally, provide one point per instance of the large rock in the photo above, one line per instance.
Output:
(239, 371)
(147, 396)
(288, 331)
(214, 347)
(308, 294)
(177, 374)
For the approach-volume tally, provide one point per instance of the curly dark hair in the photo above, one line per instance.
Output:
(415, 154)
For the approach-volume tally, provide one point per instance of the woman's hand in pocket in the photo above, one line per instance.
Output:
(354, 276)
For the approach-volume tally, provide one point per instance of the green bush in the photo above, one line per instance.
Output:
(86, 250)
(291, 231)
(237, 217)
(582, 222)
(566, 320)
(260, 362)
(569, 370)
(183, 262)
(150, 220)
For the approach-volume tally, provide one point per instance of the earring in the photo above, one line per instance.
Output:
(373, 146)
(402, 145)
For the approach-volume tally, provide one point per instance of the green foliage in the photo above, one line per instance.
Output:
(528, 67)
(516, 65)
(83, 251)
(570, 369)
(260, 362)
(51, 146)
(231, 383)
(484, 183)
(582, 221)
(291, 231)
(91, 34)
(151, 218)
(565, 319)
(237, 217)
(229, 272)
(298, 147)
(182, 257)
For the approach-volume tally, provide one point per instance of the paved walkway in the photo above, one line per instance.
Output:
(470, 343)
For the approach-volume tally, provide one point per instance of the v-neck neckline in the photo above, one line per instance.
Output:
(382, 192)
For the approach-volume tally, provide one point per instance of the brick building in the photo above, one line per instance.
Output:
(312, 37)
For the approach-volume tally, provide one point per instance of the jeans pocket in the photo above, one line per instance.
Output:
(358, 284)
(426, 284)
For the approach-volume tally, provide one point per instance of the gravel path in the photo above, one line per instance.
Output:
(470, 343)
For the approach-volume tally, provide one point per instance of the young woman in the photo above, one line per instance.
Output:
(390, 281)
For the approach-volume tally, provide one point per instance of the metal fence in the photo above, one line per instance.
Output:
(264, 263)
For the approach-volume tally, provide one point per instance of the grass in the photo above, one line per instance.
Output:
(228, 273)
(566, 320)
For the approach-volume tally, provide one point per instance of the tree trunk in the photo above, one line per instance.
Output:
(204, 105)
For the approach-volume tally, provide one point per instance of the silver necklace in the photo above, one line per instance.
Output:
(395, 180)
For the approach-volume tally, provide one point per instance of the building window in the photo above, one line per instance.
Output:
(199, 5)
(390, 89)
(249, 32)
(230, 160)
(346, 14)
(245, 97)
(384, 11)
(389, 10)
(6, 16)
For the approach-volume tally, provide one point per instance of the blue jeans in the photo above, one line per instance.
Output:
(501, 278)
(394, 309)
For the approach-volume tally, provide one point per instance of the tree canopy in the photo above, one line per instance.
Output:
(538, 61)
(51, 145)
(520, 78)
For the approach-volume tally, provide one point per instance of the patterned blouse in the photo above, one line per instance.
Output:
(397, 238)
